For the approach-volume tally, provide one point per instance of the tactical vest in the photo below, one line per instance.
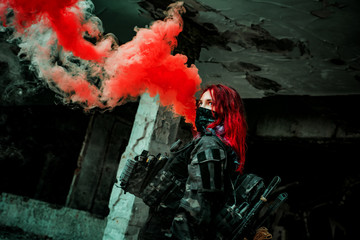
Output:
(160, 181)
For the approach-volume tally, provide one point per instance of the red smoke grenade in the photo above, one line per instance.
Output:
(52, 37)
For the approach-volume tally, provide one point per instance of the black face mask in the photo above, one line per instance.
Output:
(204, 117)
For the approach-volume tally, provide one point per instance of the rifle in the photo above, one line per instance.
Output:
(245, 227)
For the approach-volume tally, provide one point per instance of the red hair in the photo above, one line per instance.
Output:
(230, 113)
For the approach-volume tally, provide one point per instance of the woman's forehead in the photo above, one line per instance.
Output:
(206, 95)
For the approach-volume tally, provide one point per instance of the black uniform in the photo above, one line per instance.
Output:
(201, 182)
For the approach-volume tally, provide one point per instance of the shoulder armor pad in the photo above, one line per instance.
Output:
(207, 169)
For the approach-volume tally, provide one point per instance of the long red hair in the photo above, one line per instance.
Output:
(230, 113)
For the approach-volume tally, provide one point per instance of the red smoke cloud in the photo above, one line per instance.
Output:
(52, 30)
(64, 17)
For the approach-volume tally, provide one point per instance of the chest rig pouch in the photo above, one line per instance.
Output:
(166, 188)
(157, 180)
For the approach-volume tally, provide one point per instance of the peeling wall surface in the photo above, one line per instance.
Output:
(295, 63)
(283, 47)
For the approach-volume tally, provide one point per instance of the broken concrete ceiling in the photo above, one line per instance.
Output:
(299, 48)
(261, 47)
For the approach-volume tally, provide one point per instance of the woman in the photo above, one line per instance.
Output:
(228, 115)
(202, 170)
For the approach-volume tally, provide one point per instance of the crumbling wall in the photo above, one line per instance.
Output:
(44, 219)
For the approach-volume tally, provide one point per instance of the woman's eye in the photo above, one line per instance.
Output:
(210, 103)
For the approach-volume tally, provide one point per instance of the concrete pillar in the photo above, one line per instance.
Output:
(154, 130)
